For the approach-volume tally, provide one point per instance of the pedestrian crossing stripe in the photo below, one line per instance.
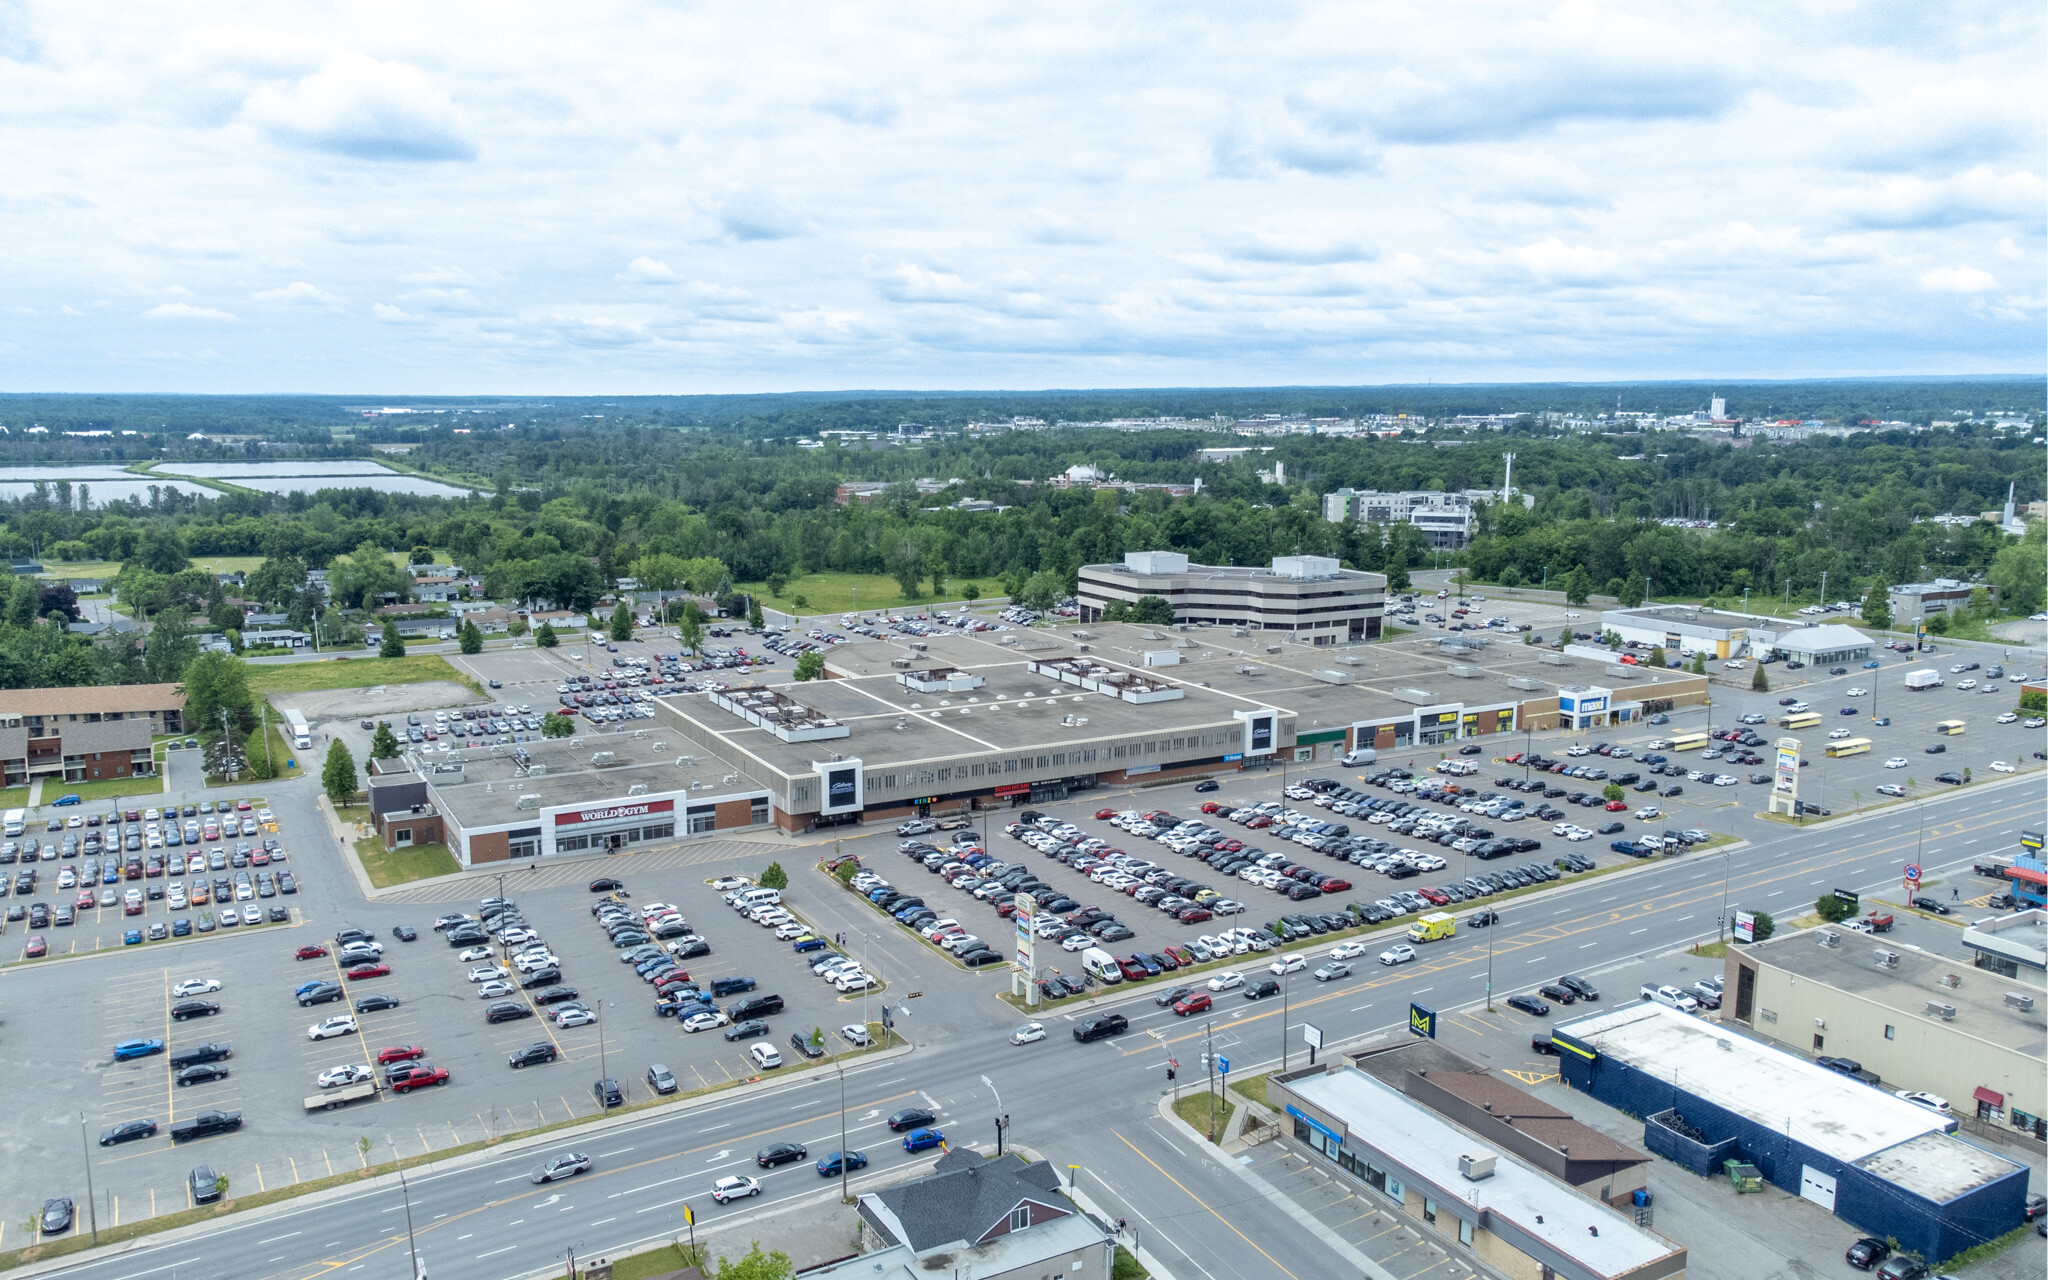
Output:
(1532, 1077)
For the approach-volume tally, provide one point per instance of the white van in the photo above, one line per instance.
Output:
(1103, 965)
(15, 821)
(756, 898)
(1364, 755)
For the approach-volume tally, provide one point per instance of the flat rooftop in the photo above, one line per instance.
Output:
(1701, 616)
(491, 781)
(1937, 1166)
(2021, 937)
(1978, 996)
(1765, 1085)
(1536, 1204)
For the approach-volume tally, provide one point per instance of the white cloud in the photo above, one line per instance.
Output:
(358, 106)
(750, 215)
(1554, 261)
(651, 271)
(389, 314)
(1958, 280)
(298, 293)
(184, 311)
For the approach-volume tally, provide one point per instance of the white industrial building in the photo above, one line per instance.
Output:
(1310, 596)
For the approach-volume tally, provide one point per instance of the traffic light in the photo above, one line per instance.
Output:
(1169, 1075)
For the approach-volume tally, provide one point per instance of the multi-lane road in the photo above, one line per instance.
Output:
(1091, 1106)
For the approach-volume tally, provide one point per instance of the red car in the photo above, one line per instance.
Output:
(399, 1053)
(419, 1080)
(1181, 955)
(1616, 806)
(1193, 915)
(310, 952)
(1260, 822)
(35, 946)
(1198, 1002)
(1334, 884)
(1436, 896)
(1210, 806)
(85, 900)
(1104, 815)
(243, 806)
(377, 970)
(131, 908)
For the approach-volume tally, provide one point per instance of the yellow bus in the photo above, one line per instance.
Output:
(1848, 747)
(1690, 742)
(1952, 728)
(1800, 720)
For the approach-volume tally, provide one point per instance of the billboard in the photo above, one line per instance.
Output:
(1785, 777)
(612, 812)
(1421, 1021)
(843, 784)
(1745, 926)
(1261, 730)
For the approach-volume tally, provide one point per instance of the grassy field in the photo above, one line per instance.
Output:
(350, 673)
(388, 867)
(282, 751)
(13, 798)
(109, 789)
(840, 592)
(1194, 1108)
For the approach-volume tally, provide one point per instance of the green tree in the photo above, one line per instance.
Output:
(971, 592)
(691, 629)
(365, 577)
(217, 682)
(384, 743)
(775, 583)
(622, 622)
(1397, 577)
(1760, 682)
(160, 551)
(546, 637)
(1632, 591)
(1578, 587)
(556, 725)
(757, 1266)
(1043, 590)
(1699, 664)
(2034, 700)
(24, 602)
(1152, 609)
(754, 618)
(1877, 605)
(1938, 624)
(1833, 909)
(170, 646)
(226, 617)
(1613, 791)
(1511, 577)
(470, 638)
(775, 877)
(420, 555)
(392, 645)
(847, 870)
(906, 565)
(810, 665)
(1765, 926)
(2020, 571)
(1657, 657)
(661, 572)
(277, 582)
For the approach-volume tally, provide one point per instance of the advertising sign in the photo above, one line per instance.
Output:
(1421, 1021)
(1785, 777)
(1013, 789)
(1312, 1035)
(1261, 730)
(1745, 926)
(610, 812)
(844, 786)
(1027, 907)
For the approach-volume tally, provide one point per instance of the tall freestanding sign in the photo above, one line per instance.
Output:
(1785, 779)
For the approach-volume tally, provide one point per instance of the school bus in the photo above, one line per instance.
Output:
(1952, 728)
(1848, 747)
(1690, 742)
(1800, 720)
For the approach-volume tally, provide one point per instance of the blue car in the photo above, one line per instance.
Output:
(922, 1139)
(300, 993)
(131, 937)
(829, 1167)
(810, 944)
(60, 801)
(1849, 711)
(137, 1049)
(1871, 665)
(181, 928)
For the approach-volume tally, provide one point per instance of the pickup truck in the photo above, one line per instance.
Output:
(200, 1054)
(333, 1098)
(418, 1079)
(1879, 922)
(205, 1124)
(1991, 870)
(1628, 847)
(1670, 997)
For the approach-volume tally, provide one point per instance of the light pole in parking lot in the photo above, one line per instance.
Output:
(405, 1191)
(845, 1159)
(602, 1074)
(1286, 994)
(91, 1206)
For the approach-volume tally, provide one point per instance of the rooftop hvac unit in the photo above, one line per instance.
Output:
(1889, 959)
(637, 789)
(1453, 648)
(532, 770)
(1950, 980)
(599, 759)
(1937, 1009)
(729, 779)
(1830, 939)
(1080, 648)
(2019, 1000)
(529, 801)
(1555, 659)
(1272, 648)
(1328, 676)
(901, 664)
(1476, 1168)
(1351, 660)
(1525, 684)
(1251, 671)
(1414, 696)
(1464, 671)
(1240, 631)
(1623, 671)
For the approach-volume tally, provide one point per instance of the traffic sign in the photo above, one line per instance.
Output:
(1222, 1064)
(1912, 871)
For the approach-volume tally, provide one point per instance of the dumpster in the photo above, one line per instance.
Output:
(1745, 1178)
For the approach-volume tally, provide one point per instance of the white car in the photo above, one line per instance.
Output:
(766, 1056)
(534, 962)
(1797, 707)
(1347, 951)
(513, 937)
(1734, 664)
(1286, 965)
(1578, 833)
(1856, 691)
(2033, 722)
(1896, 762)
(856, 1035)
(339, 1025)
(1838, 733)
(1228, 980)
(727, 1190)
(725, 884)
(336, 1077)
(1648, 813)
(1725, 780)
(710, 1021)
(1966, 684)
(1399, 953)
(575, 1018)
(495, 989)
(1922, 1098)
(1079, 942)
(474, 953)
(2000, 766)
(785, 932)
(2008, 718)
(485, 972)
(1029, 1033)
(196, 987)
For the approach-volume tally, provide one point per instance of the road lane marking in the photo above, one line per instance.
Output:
(1205, 1204)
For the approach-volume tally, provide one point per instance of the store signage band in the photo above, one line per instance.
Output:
(1013, 789)
(611, 812)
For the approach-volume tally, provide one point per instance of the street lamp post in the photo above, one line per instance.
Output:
(602, 1074)
(1286, 993)
(845, 1161)
(92, 1208)
(1002, 1116)
(1209, 1067)
(405, 1191)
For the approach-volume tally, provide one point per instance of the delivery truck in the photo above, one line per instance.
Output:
(1437, 924)
(301, 733)
(1924, 678)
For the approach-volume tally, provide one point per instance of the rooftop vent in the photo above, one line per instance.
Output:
(1417, 697)
(1351, 660)
(1248, 670)
(1328, 676)
(1525, 684)
(1950, 980)
(1463, 671)
(1476, 1168)
(2019, 1000)
(1937, 1009)
(1555, 659)
(637, 789)
(1889, 959)
(1829, 940)
(527, 802)
(599, 759)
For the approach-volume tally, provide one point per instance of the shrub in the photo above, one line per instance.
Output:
(1833, 908)
(775, 877)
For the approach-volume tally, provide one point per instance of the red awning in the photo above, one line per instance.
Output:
(1989, 1098)
(2028, 874)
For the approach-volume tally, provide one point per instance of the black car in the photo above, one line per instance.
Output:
(194, 1009)
(606, 885)
(608, 1093)
(204, 1073)
(1529, 1004)
(1939, 748)
(405, 933)
(723, 987)
(1847, 1066)
(467, 935)
(1102, 1024)
(746, 1030)
(1867, 1253)
(201, 1053)
(1207, 785)
(779, 1153)
(1256, 991)
(692, 949)
(801, 1042)
(1173, 997)
(1481, 919)
(57, 1215)
(553, 995)
(128, 1131)
(754, 1007)
(371, 1004)
(539, 978)
(1544, 1045)
(1950, 777)
(532, 1055)
(508, 1011)
(1557, 991)
(320, 993)
(1583, 989)
(911, 1118)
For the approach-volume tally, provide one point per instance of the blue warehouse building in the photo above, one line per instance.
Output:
(1707, 1094)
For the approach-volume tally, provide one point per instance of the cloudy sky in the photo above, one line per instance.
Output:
(670, 196)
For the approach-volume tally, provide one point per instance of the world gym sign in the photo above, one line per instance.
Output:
(616, 812)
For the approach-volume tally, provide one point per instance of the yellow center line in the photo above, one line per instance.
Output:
(1205, 1204)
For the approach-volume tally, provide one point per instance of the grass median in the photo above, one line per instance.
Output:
(1194, 1108)
(388, 867)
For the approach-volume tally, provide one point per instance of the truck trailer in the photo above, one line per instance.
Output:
(300, 731)
(1924, 678)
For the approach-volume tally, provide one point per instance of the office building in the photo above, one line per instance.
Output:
(1915, 602)
(1444, 518)
(1309, 597)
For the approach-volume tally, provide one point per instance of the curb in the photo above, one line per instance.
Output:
(598, 1126)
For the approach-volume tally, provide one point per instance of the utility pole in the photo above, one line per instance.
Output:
(1286, 993)
(1002, 1116)
(92, 1207)
(845, 1161)
(405, 1191)
(1209, 1065)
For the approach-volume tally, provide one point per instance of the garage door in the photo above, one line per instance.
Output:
(1817, 1187)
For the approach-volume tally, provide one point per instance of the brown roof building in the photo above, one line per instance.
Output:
(87, 733)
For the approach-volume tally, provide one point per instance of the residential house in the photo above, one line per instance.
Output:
(83, 734)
